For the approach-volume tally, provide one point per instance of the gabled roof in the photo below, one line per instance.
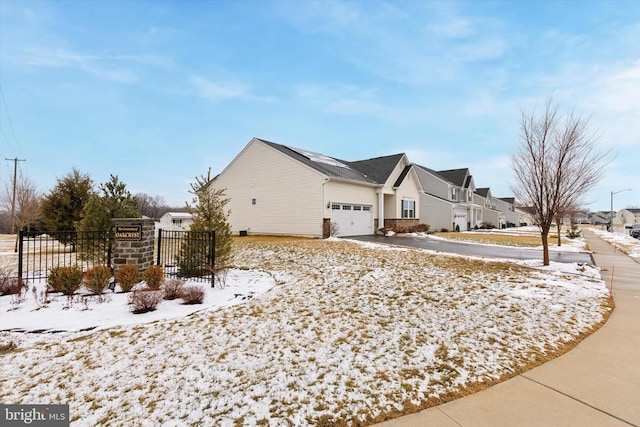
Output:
(459, 177)
(511, 200)
(632, 210)
(378, 168)
(402, 176)
(370, 171)
(484, 192)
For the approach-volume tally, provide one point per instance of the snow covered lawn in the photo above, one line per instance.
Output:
(350, 334)
(622, 240)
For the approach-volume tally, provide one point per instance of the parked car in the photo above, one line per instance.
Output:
(635, 231)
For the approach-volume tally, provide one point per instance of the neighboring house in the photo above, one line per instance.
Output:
(446, 201)
(525, 215)
(507, 205)
(281, 190)
(628, 216)
(490, 215)
(581, 217)
(600, 218)
(175, 221)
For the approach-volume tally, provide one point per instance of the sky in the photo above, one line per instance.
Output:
(158, 92)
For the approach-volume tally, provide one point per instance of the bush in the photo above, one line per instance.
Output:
(573, 233)
(9, 285)
(144, 300)
(97, 278)
(65, 279)
(127, 276)
(172, 288)
(192, 294)
(154, 276)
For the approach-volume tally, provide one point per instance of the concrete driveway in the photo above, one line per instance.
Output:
(476, 249)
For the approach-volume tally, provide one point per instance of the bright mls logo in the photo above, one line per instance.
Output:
(34, 415)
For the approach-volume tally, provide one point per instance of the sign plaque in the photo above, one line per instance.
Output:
(128, 232)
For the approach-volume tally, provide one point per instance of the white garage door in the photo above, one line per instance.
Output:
(352, 219)
(460, 219)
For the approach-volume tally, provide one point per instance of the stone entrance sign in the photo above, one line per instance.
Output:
(134, 242)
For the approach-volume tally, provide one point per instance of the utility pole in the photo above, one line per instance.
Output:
(13, 200)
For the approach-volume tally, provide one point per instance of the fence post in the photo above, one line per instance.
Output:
(212, 245)
(20, 252)
(159, 246)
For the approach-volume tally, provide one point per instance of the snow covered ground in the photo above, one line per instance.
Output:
(350, 332)
(622, 240)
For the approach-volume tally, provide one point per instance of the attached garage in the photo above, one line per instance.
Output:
(352, 219)
(459, 220)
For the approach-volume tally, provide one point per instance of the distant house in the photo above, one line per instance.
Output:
(490, 216)
(175, 221)
(507, 206)
(276, 189)
(628, 216)
(446, 201)
(600, 217)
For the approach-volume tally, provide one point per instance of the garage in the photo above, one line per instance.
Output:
(352, 219)
(459, 220)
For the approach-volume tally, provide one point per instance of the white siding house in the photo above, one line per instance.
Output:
(175, 221)
(281, 190)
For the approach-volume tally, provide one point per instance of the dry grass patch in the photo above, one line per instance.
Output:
(351, 336)
(499, 239)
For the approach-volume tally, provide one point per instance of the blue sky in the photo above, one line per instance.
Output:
(157, 92)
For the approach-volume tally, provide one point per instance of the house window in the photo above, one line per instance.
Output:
(469, 194)
(177, 222)
(335, 207)
(453, 194)
(357, 208)
(408, 208)
(366, 208)
(346, 207)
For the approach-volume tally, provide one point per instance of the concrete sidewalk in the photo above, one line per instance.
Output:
(595, 384)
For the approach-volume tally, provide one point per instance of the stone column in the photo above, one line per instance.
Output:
(134, 242)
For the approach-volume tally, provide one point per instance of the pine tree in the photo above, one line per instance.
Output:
(62, 208)
(113, 201)
(209, 214)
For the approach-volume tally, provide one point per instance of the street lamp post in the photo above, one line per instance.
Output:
(611, 212)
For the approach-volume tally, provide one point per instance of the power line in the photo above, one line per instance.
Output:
(15, 139)
(13, 200)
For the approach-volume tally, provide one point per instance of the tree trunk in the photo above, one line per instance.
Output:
(545, 248)
(559, 229)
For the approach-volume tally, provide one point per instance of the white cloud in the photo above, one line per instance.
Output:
(219, 90)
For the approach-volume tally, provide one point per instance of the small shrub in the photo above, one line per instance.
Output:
(573, 233)
(444, 230)
(144, 300)
(192, 294)
(97, 278)
(127, 276)
(9, 285)
(65, 279)
(153, 276)
(172, 288)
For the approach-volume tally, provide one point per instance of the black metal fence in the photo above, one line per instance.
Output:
(39, 252)
(187, 254)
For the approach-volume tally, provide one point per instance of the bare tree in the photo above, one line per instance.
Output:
(150, 206)
(556, 163)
